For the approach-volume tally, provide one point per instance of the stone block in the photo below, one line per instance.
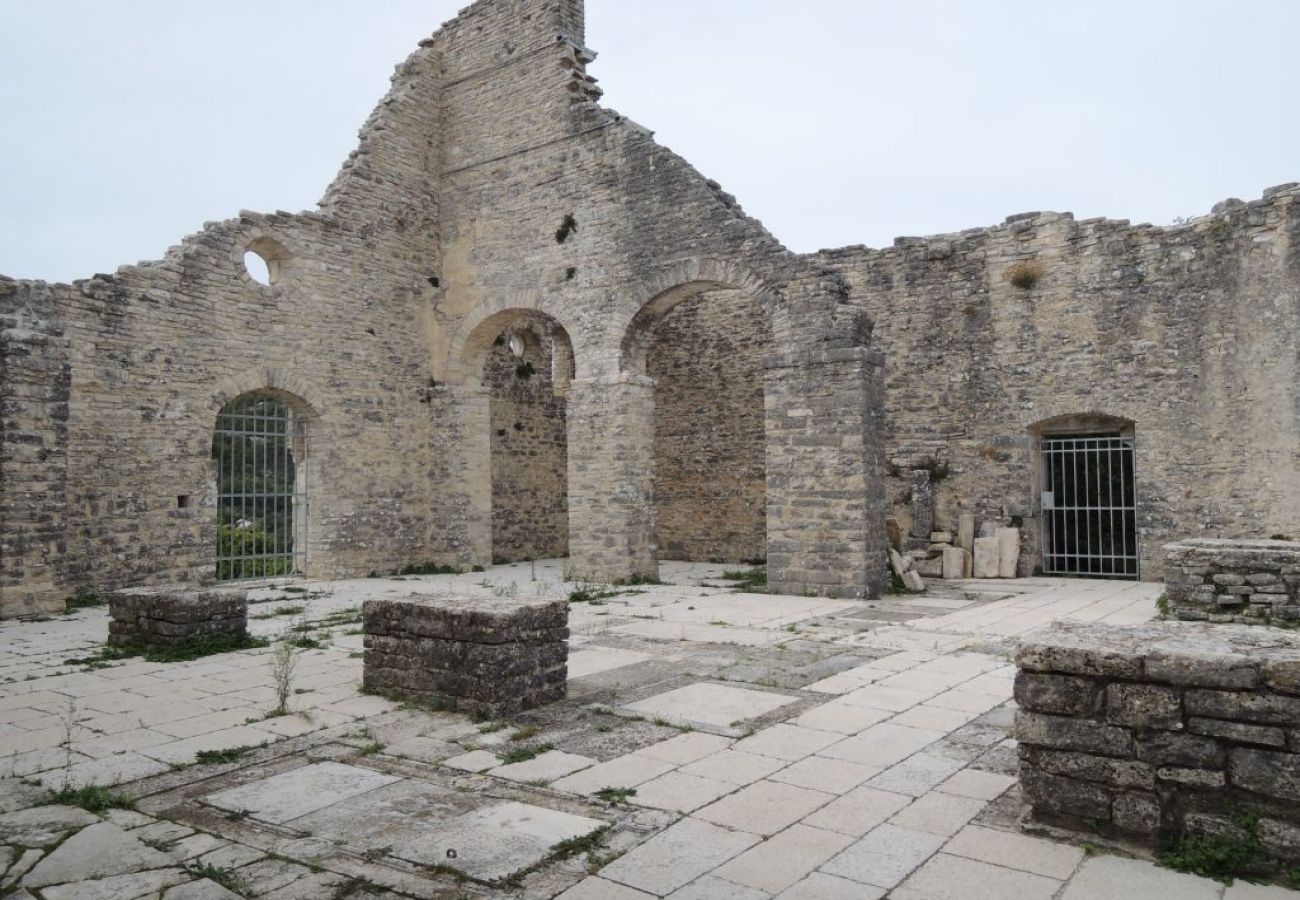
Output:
(1063, 733)
(913, 581)
(485, 655)
(163, 617)
(954, 563)
(1125, 773)
(1064, 695)
(1144, 706)
(930, 567)
(1008, 552)
(941, 537)
(1238, 732)
(1136, 813)
(966, 532)
(1265, 772)
(1166, 748)
(1245, 706)
(986, 555)
(1056, 796)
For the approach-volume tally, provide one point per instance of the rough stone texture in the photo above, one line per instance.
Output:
(490, 188)
(166, 617)
(1253, 582)
(530, 509)
(1116, 738)
(706, 357)
(1156, 326)
(482, 655)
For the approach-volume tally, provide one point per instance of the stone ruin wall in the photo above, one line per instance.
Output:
(530, 498)
(1246, 582)
(1190, 332)
(706, 357)
(443, 220)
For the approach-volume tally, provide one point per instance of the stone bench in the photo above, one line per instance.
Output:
(1250, 582)
(168, 617)
(484, 655)
(1152, 732)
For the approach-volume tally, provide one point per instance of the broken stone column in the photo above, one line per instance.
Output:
(611, 481)
(966, 532)
(922, 505)
(479, 655)
(166, 617)
(1008, 552)
(987, 557)
(956, 563)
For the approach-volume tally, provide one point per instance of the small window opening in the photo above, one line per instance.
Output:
(258, 268)
(183, 501)
(516, 345)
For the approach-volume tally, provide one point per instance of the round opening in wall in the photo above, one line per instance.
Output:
(265, 261)
(258, 268)
(516, 344)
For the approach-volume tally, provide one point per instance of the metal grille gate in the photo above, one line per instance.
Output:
(261, 488)
(1089, 506)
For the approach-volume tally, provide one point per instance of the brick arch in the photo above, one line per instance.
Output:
(1059, 413)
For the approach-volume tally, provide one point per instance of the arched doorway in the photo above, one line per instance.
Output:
(526, 372)
(259, 459)
(704, 345)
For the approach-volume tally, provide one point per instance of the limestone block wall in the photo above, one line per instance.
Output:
(707, 357)
(530, 498)
(1156, 731)
(1251, 582)
(35, 381)
(1189, 332)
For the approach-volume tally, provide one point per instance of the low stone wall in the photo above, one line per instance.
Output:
(474, 654)
(1152, 732)
(162, 617)
(1251, 582)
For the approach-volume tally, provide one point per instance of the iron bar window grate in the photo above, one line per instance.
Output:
(1089, 505)
(257, 450)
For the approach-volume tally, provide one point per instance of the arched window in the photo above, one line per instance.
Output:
(258, 450)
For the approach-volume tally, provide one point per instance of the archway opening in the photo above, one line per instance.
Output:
(526, 372)
(259, 453)
(706, 355)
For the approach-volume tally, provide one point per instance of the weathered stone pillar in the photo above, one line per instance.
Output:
(825, 478)
(611, 478)
(474, 415)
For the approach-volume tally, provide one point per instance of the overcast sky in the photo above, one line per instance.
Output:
(127, 124)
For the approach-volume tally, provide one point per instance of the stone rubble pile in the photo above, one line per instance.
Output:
(995, 553)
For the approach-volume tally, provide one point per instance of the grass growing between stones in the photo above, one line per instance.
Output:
(220, 757)
(83, 599)
(747, 581)
(224, 877)
(615, 796)
(91, 798)
(1235, 853)
(185, 651)
(523, 754)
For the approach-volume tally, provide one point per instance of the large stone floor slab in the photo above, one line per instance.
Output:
(717, 705)
(495, 841)
(288, 796)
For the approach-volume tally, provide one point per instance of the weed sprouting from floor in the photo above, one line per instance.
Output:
(91, 798)
(615, 796)
(224, 877)
(184, 651)
(82, 599)
(1235, 853)
(523, 754)
(284, 659)
(526, 732)
(749, 581)
(229, 755)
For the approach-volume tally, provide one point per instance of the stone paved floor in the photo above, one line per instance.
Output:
(715, 745)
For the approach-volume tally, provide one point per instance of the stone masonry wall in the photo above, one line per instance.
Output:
(1251, 582)
(706, 356)
(1189, 332)
(35, 377)
(530, 500)
(1157, 731)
